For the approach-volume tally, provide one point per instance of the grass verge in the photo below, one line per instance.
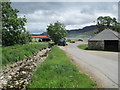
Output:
(58, 72)
(83, 46)
(18, 52)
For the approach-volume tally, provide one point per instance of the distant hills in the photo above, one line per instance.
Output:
(85, 29)
(84, 33)
(44, 33)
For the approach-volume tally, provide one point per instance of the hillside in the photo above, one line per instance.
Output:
(85, 29)
(84, 33)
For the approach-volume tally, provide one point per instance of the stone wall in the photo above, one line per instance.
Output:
(99, 45)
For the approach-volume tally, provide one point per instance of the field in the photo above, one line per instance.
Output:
(83, 46)
(15, 53)
(58, 72)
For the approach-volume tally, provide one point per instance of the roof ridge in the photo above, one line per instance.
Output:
(111, 35)
(115, 34)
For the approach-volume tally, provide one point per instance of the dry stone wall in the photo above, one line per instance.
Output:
(99, 45)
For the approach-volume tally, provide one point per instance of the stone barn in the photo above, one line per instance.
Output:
(108, 40)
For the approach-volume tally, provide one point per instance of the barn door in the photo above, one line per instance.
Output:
(111, 45)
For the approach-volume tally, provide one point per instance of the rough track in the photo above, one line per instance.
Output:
(103, 70)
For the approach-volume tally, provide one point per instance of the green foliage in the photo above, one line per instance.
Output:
(58, 72)
(18, 52)
(13, 30)
(56, 31)
(68, 40)
(107, 22)
(0, 24)
(0, 58)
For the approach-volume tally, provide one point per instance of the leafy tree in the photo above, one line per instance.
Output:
(117, 27)
(56, 31)
(0, 24)
(107, 22)
(13, 30)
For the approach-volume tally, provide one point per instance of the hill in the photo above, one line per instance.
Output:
(42, 34)
(84, 33)
(85, 29)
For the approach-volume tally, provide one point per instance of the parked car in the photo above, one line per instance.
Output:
(72, 41)
(62, 42)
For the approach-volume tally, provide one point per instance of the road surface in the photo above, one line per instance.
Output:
(103, 70)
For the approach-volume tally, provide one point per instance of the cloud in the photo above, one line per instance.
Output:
(73, 14)
(35, 27)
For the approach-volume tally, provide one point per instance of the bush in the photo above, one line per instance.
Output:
(68, 40)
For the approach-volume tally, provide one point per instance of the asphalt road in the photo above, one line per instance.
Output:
(103, 70)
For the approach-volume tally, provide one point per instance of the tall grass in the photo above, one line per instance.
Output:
(58, 72)
(18, 52)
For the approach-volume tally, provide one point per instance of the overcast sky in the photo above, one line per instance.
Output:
(73, 14)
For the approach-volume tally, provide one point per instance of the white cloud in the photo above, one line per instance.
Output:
(73, 15)
(36, 27)
(105, 14)
(115, 7)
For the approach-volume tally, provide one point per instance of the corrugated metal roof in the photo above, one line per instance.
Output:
(107, 34)
(40, 37)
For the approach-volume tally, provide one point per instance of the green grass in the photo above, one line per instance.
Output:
(58, 72)
(83, 46)
(15, 53)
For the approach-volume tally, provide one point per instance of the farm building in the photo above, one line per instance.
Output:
(106, 40)
(41, 38)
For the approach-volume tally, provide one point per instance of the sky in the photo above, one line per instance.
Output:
(74, 15)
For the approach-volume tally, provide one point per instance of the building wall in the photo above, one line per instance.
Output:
(119, 45)
(99, 45)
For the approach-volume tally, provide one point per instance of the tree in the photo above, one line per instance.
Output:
(25, 37)
(0, 24)
(107, 22)
(56, 31)
(116, 27)
(13, 30)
